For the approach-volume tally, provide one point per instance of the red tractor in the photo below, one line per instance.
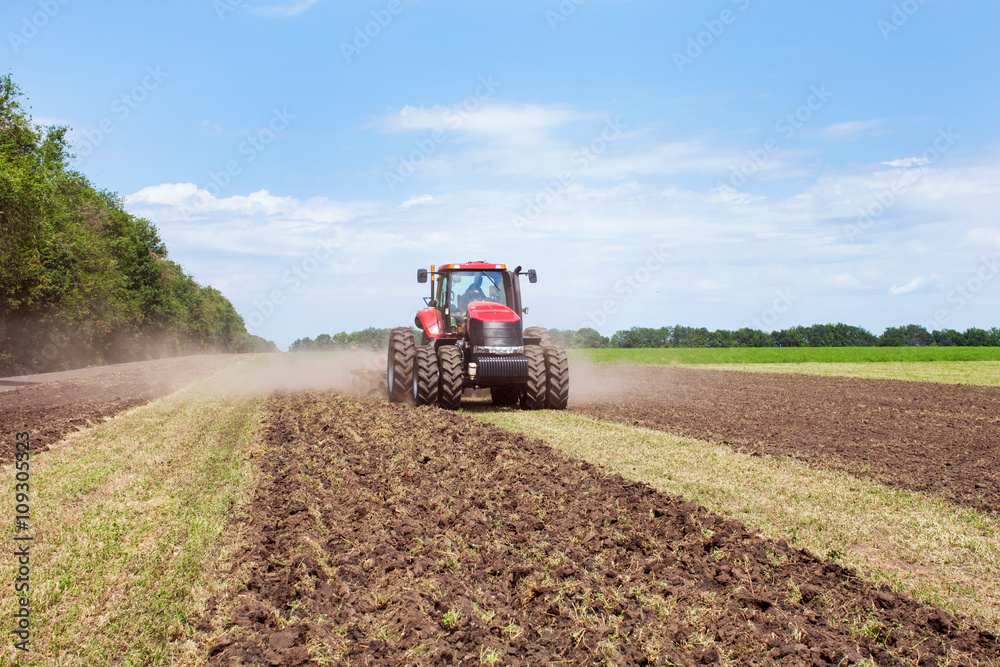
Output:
(472, 337)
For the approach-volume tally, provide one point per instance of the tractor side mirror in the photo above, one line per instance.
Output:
(422, 275)
(532, 276)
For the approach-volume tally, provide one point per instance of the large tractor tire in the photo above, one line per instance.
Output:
(450, 381)
(557, 372)
(400, 364)
(533, 396)
(539, 332)
(505, 394)
(425, 376)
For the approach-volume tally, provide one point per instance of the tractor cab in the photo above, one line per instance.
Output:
(461, 293)
(459, 289)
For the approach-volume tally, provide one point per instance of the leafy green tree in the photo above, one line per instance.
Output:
(587, 337)
(746, 337)
(911, 335)
(974, 337)
(948, 338)
(81, 280)
(793, 337)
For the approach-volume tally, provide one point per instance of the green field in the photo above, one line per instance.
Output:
(950, 365)
(784, 355)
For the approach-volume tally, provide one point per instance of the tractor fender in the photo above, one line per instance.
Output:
(431, 322)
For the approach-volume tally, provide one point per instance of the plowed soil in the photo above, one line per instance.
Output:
(383, 534)
(938, 438)
(50, 410)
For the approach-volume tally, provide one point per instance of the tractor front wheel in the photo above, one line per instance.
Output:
(400, 364)
(534, 391)
(425, 376)
(450, 380)
(557, 371)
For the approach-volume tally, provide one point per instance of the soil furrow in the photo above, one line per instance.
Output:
(383, 534)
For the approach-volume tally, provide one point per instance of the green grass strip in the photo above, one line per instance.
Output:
(984, 373)
(127, 518)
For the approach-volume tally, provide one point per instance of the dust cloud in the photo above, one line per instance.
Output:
(350, 372)
(363, 372)
(591, 383)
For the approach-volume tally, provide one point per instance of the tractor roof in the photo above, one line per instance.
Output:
(474, 266)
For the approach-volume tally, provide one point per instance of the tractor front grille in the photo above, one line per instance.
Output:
(508, 369)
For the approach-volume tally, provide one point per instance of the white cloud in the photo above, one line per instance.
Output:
(187, 201)
(417, 200)
(210, 129)
(839, 130)
(906, 163)
(259, 224)
(914, 285)
(487, 117)
(288, 9)
(984, 237)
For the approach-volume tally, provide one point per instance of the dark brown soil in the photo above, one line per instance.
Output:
(388, 535)
(938, 438)
(50, 410)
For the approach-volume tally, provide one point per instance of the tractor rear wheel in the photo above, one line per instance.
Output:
(425, 376)
(400, 364)
(533, 396)
(557, 371)
(539, 332)
(505, 394)
(450, 380)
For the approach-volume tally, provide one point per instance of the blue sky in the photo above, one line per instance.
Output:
(721, 164)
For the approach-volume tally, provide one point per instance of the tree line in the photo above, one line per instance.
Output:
(367, 339)
(81, 280)
(818, 335)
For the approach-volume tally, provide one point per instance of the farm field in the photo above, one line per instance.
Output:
(346, 530)
(925, 437)
(394, 535)
(910, 541)
(83, 398)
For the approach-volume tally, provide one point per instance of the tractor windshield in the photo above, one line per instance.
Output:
(469, 286)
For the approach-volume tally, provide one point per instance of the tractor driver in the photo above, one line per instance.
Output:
(474, 293)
